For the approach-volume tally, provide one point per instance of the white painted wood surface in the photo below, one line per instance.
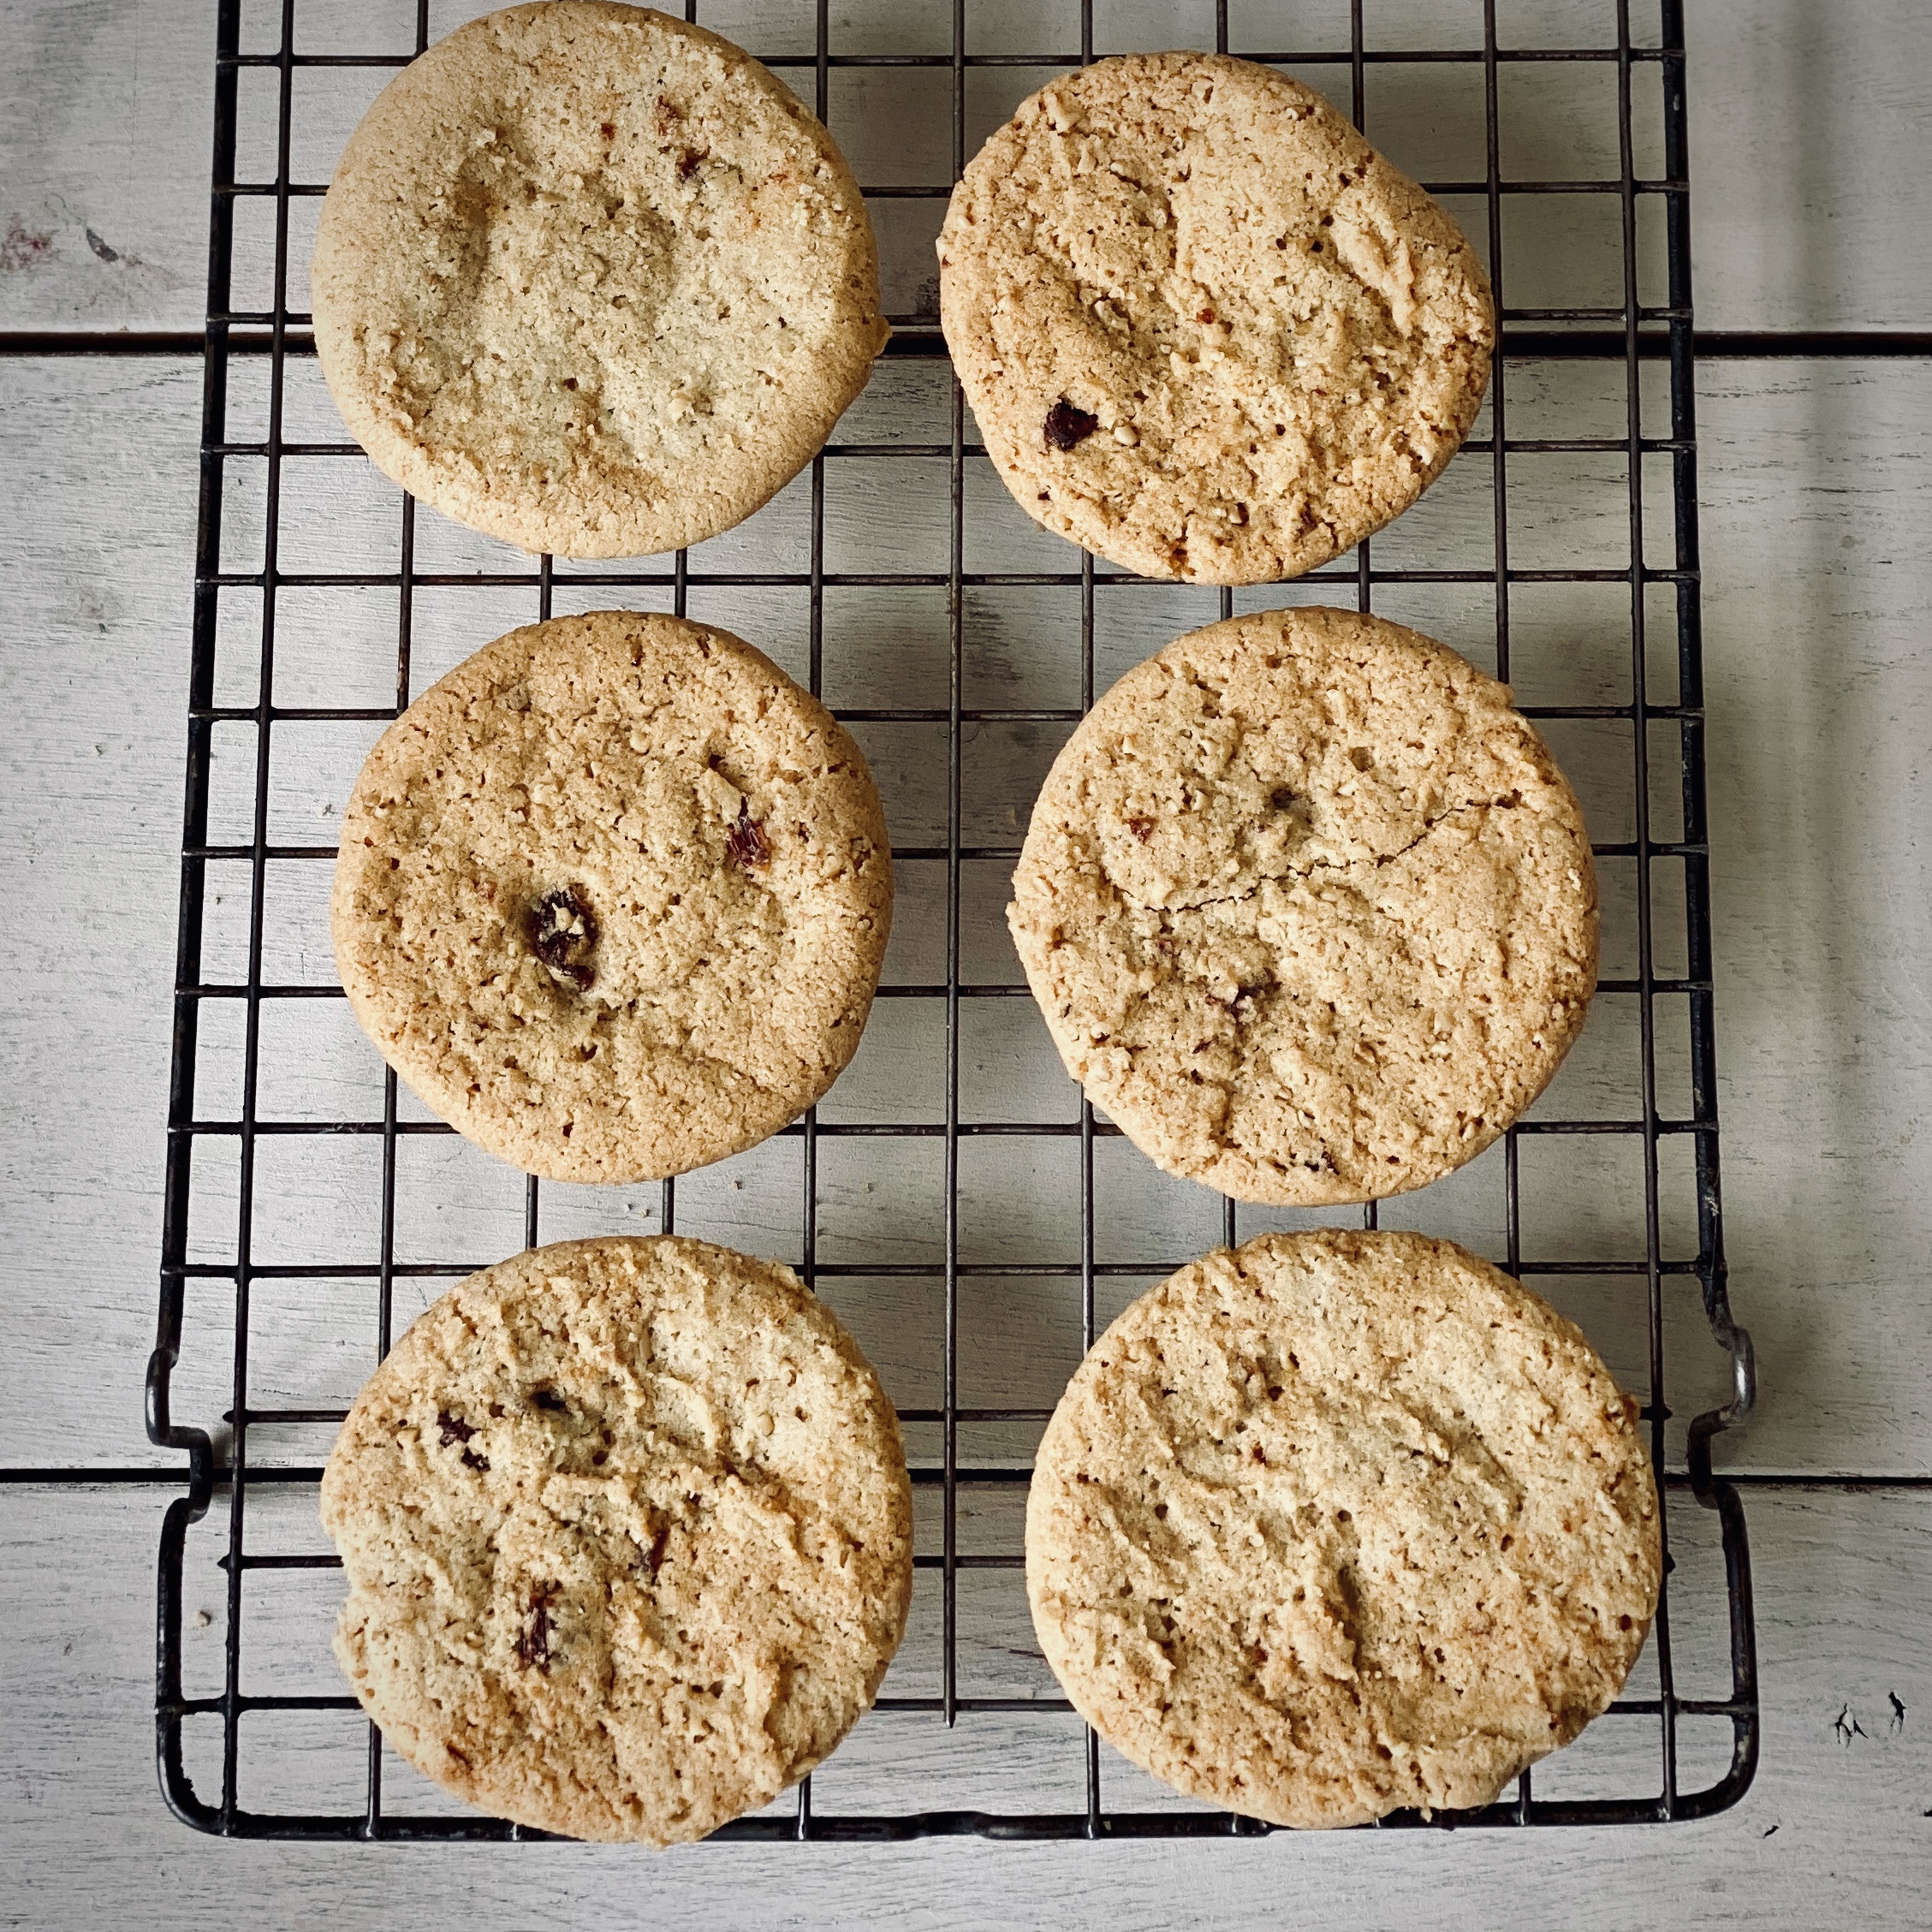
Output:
(1817, 599)
(1832, 1832)
(1811, 134)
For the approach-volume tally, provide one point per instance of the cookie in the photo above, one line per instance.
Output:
(629, 1538)
(591, 280)
(1334, 1524)
(1206, 330)
(1308, 908)
(613, 897)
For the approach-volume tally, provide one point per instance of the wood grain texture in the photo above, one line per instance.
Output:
(1816, 599)
(1820, 903)
(1809, 136)
(97, 508)
(104, 129)
(1807, 126)
(1833, 1830)
(105, 118)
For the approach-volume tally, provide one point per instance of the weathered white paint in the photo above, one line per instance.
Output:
(1833, 1831)
(1810, 130)
(1819, 702)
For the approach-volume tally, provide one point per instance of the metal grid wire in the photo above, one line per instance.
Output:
(1624, 332)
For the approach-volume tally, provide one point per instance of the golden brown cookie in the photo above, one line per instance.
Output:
(590, 279)
(1334, 1524)
(1308, 908)
(1206, 330)
(613, 897)
(629, 1538)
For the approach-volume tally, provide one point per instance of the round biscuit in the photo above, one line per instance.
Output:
(1308, 908)
(590, 279)
(613, 897)
(1206, 330)
(629, 1538)
(1337, 1523)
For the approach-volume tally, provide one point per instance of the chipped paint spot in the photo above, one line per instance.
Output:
(23, 247)
(101, 248)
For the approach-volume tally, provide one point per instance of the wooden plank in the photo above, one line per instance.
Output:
(96, 533)
(104, 137)
(1817, 696)
(1816, 599)
(1832, 1831)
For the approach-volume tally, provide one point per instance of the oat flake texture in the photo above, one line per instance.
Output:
(629, 1538)
(1338, 1523)
(1308, 908)
(1206, 330)
(612, 897)
(591, 280)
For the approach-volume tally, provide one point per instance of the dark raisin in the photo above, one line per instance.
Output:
(1142, 828)
(549, 1398)
(655, 1554)
(472, 1460)
(1205, 315)
(533, 1643)
(688, 165)
(1067, 426)
(453, 1428)
(563, 935)
(608, 128)
(746, 841)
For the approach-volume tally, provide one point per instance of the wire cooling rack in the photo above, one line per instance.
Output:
(971, 1219)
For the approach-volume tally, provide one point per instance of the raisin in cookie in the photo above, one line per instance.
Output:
(613, 897)
(1308, 908)
(629, 1538)
(590, 279)
(1206, 330)
(1334, 1524)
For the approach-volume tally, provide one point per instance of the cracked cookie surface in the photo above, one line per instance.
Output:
(590, 279)
(1336, 1523)
(629, 1538)
(613, 897)
(1206, 330)
(1308, 908)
